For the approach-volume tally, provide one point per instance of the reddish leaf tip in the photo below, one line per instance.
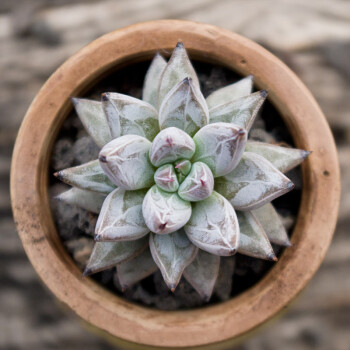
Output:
(180, 44)
(58, 174)
(102, 158)
(162, 226)
(264, 93)
(87, 272)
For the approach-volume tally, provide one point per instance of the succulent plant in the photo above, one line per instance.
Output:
(177, 185)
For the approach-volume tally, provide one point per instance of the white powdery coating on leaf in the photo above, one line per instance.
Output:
(213, 226)
(108, 254)
(127, 115)
(272, 224)
(253, 241)
(241, 112)
(88, 176)
(170, 145)
(152, 80)
(220, 146)
(254, 182)
(172, 253)
(165, 212)
(166, 179)
(184, 107)
(198, 184)
(282, 158)
(121, 217)
(231, 92)
(125, 161)
(88, 200)
(178, 68)
(132, 271)
(202, 273)
(94, 120)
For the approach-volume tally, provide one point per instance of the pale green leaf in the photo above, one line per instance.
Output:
(231, 92)
(220, 146)
(254, 182)
(172, 253)
(121, 217)
(152, 80)
(272, 224)
(202, 273)
(282, 158)
(88, 200)
(178, 68)
(132, 271)
(166, 179)
(241, 112)
(213, 226)
(198, 184)
(170, 145)
(88, 176)
(94, 120)
(253, 240)
(125, 161)
(184, 107)
(165, 212)
(108, 254)
(127, 115)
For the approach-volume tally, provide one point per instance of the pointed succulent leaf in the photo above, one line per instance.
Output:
(198, 184)
(178, 68)
(166, 179)
(108, 254)
(165, 212)
(94, 120)
(127, 115)
(220, 146)
(152, 80)
(132, 271)
(272, 224)
(253, 241)
(125, 162)
(254, 182)
(170, 145)
(241, 112)
(184, 107)
(172, 253)
(231, 92)
(213, 226)
(202, 273)
(121, 217)
(88, 176)
(183, 166)
(88, 200)
(282, 158)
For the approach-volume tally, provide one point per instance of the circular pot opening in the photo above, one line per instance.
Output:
(75, 226)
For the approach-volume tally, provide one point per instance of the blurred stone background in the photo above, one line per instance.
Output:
(312, 37)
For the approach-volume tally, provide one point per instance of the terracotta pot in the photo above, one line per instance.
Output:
(131, 323)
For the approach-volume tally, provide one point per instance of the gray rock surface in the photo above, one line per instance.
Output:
(312, 37)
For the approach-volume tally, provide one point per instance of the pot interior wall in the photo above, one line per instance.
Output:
(128, 80)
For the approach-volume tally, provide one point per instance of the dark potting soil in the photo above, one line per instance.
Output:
(75, 226)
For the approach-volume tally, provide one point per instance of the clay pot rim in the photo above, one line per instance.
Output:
(133, 323)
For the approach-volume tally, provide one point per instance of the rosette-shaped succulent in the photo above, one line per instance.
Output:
(177, 185)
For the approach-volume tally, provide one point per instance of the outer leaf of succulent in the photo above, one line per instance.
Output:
(166, 154)
(121, 217)
(172, 253)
